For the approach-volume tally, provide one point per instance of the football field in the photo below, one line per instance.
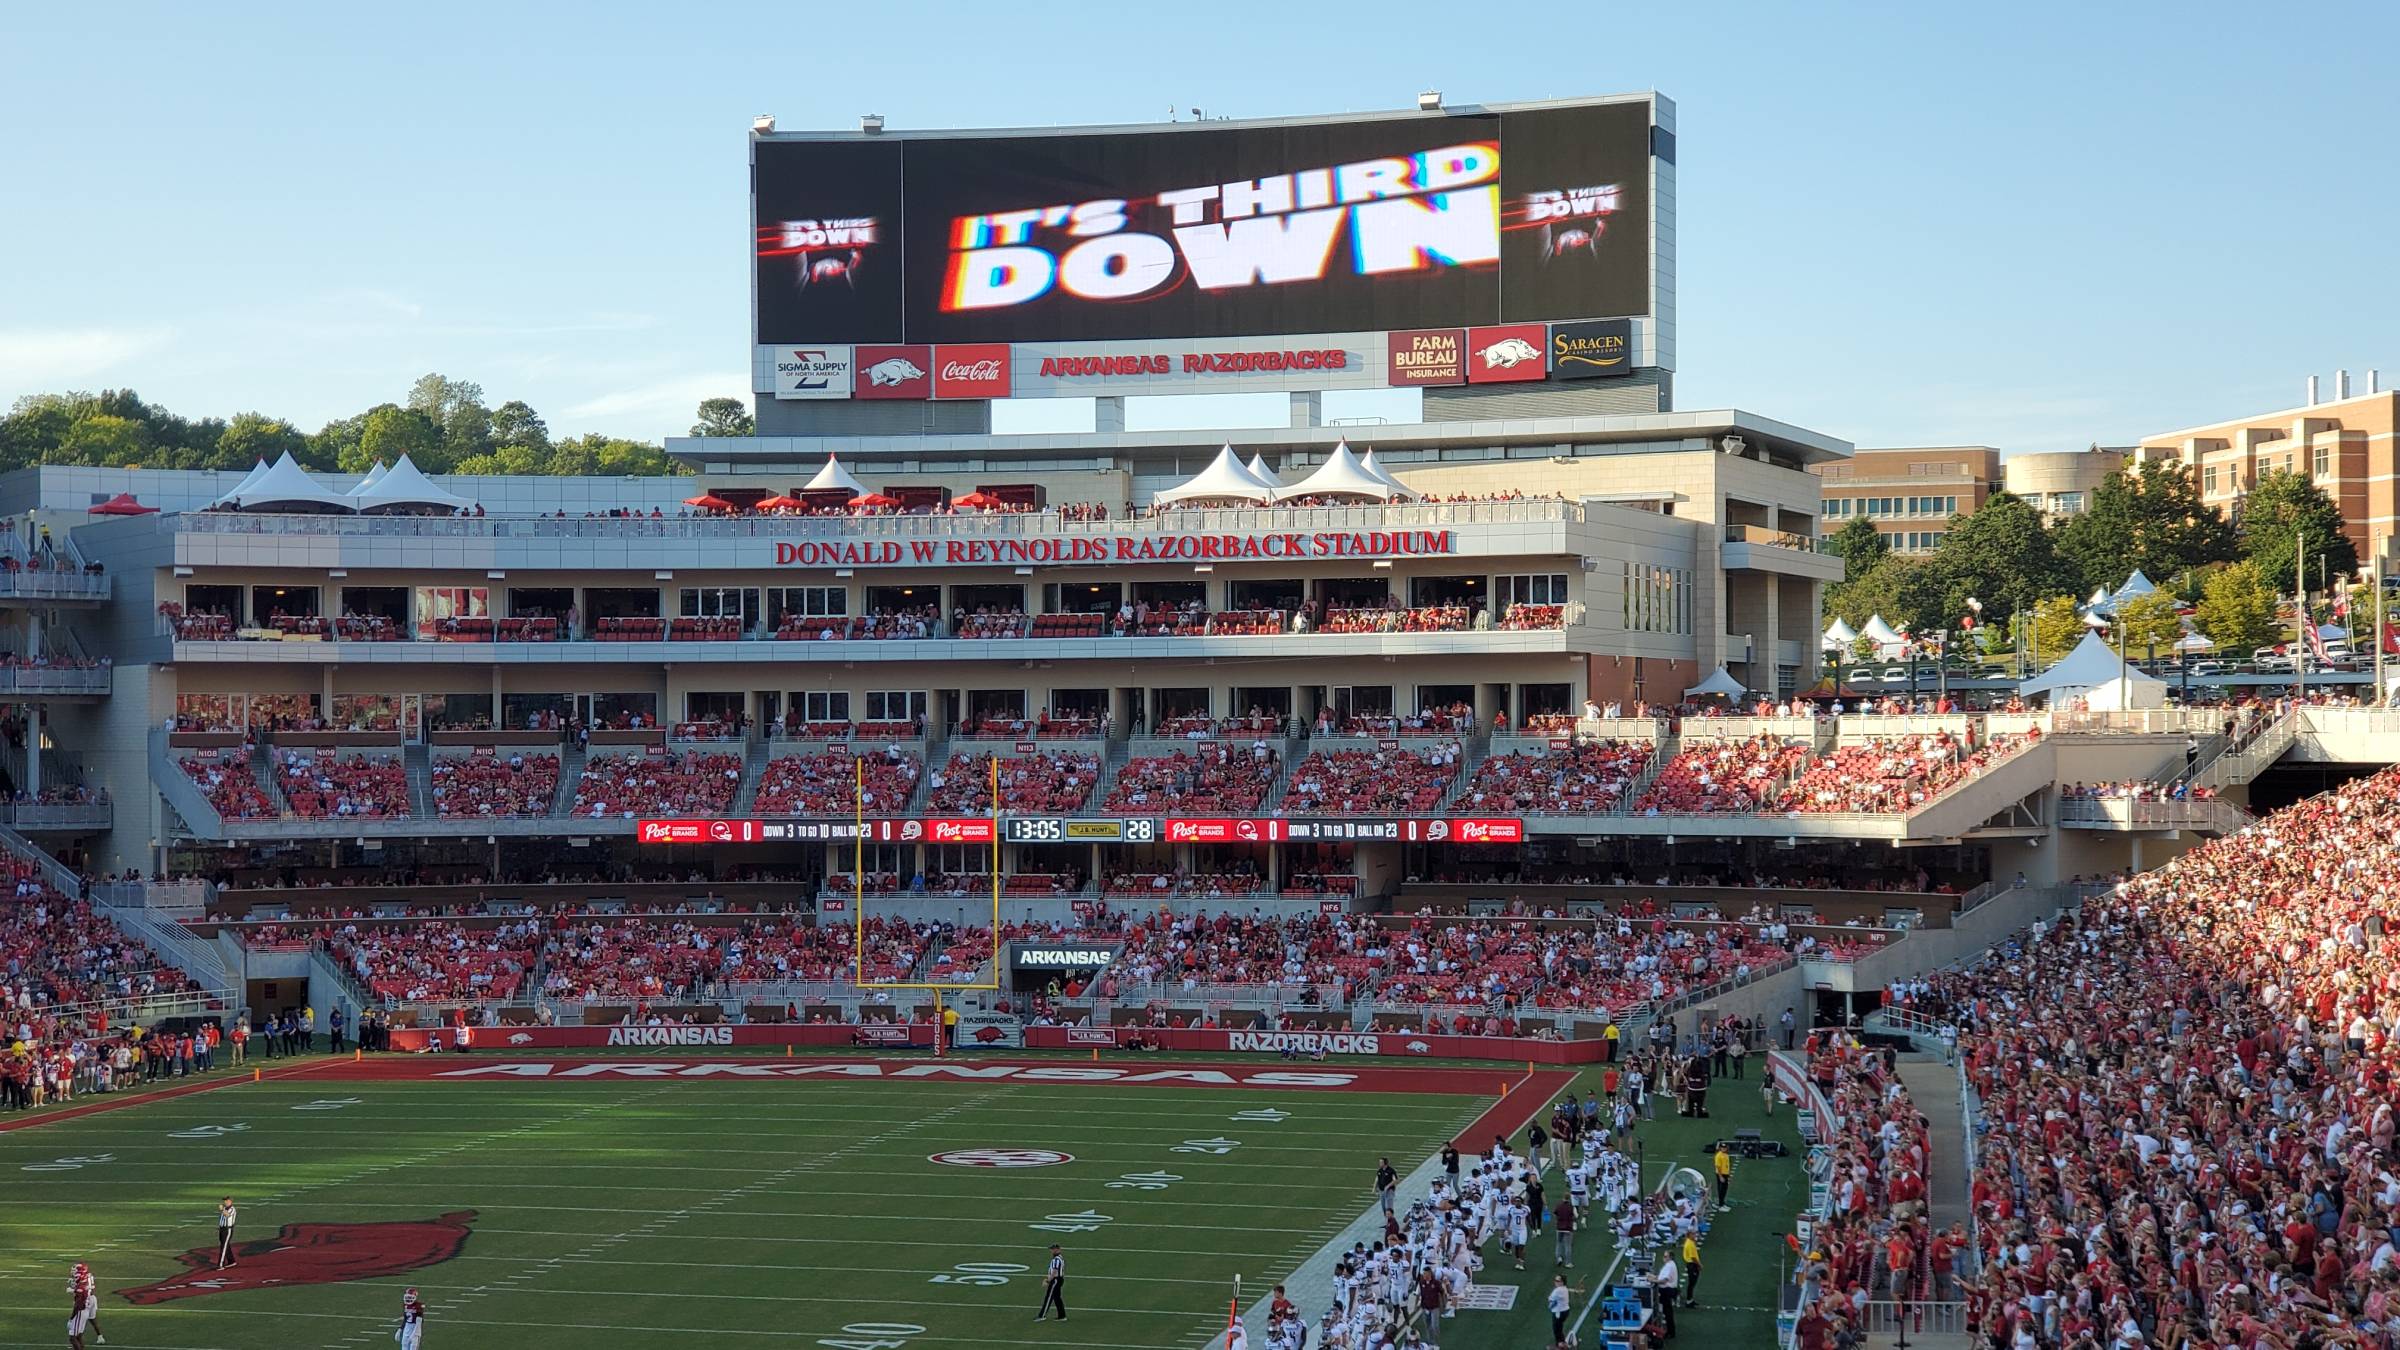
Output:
(852, 1204)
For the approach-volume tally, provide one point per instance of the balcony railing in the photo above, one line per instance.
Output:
(1759, 534)
(42, 585)
(57, 815)
(1032, 523)
(55, 679)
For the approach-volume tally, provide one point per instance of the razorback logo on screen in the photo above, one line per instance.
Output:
(1427, 211)
(313, 1253)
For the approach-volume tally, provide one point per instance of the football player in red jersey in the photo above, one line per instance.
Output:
(83, 1307)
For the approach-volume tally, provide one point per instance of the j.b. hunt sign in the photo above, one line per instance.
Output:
(1131, 548)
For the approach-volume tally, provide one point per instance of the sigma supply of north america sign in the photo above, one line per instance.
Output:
(1206, 257)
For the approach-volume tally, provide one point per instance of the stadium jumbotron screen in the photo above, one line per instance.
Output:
(1373, 224)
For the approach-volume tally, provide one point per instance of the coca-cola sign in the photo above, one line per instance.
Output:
(974, 370)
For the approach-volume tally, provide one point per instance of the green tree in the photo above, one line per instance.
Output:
(1904, 591)
(2237, 609)
(387, 433)
(2002, 555)
(2152, 519)
(251, 437)
(103, 438)
(1858, 544)
(512, 460)
(2149, 623)
(2284, 509)
(2056, 628)
(514, 423)
(724, 417)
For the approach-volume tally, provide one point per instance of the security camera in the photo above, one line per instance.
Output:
(1733, 445)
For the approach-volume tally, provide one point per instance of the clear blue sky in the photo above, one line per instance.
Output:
(2033, 226)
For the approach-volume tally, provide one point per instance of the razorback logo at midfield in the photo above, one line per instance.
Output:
(314, 1253)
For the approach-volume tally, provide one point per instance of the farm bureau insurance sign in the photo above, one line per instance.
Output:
(1116, 550)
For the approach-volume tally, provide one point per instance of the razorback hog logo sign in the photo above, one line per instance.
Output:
(314, 1253)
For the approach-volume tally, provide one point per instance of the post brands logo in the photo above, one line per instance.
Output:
(1306, 1042)
(715, 1035)
(973, 370)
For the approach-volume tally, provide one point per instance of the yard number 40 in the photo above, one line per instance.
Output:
(1082, 1221)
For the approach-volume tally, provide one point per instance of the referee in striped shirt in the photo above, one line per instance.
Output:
(1054, 1286)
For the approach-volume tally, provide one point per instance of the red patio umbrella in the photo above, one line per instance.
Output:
(122, 504)
(873, 501)
(709, 501)
(977, 501)
(779, 502)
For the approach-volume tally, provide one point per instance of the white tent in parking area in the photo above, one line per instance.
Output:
(1719, 684)
(2094, 673)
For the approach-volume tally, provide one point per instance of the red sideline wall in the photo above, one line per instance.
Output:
(714, 1036)
(1393, 1043)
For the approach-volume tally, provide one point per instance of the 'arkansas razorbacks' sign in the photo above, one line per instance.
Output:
(313, 1253)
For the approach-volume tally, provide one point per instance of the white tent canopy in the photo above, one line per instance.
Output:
(2094, 671)
(1840, 634)
(1375, 469)
(285, 484)
(1880, 633)
(1225, 479)
(405, 485)
(374, 475)
(2135, 586)
(834, 478)
(242, 489)
(1718, 684)
(1341, 475)
(2195, 642)
(1258, 469)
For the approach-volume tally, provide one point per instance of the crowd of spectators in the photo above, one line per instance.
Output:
(1893, 773)
(1875, 1240)
(1337, 950)
(232, 788)
(1031, 784)
(1401, 782)
(1215, 779)
(2187, 1095)
(57, 953)
(688, 783)
(838, 784)
(988, 622)
(1420, 619)
(487, 785)
(438, 960)
(1722, 776)
(321, 784)
(1587, 779)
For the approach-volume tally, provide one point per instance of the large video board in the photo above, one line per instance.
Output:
(1443, 220)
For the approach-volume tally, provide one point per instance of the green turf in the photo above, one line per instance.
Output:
(1739, 1261)
(637, 1214)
